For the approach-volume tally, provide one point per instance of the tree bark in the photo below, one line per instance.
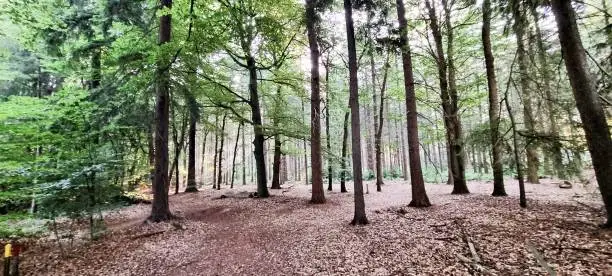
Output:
(191, 170)
(276, 163)
(203, 162)
(216, 149)
(344, 152)
(234, 159)
(360, 214)
(419, 194)
(528, 116)
(244, 162)
(220, 166)
(448, 93)
(405, 172)
(589, 106)
(160, 209)
(379, 126)
(494, 108)
(258, 141)
(330, 174)
(318, 195)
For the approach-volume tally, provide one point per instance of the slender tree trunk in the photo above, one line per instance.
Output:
(377, 150)
(191, 170)
(330, 174)
(517, 158)
(343, 168)
(360, 214)
(160, 209)
(419, 195)
(244, 162)
(258, 142)
(305, 149)
(405, 172)
(449, 105)
(216, 152)
(234, 159)
(203, 163)
(220, 166)
(494, 108)
(528, 115)
(379, 126)
(589, 106)
(276, 163)
(318, 195)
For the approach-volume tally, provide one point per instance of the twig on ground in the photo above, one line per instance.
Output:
(541, 261)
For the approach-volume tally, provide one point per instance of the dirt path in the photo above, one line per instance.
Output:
(284, 235)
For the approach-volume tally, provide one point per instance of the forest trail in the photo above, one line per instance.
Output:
(284, 235)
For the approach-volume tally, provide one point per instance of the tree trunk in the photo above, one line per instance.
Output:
(404, 159)
(360, 214)
(528, 116)
(203, 163)
(419, 195)
(276, 163)
(517, 158)
(216, 149)
(448, 93)
(330, 174)
(243, 160)
(220, 166)
(305, 150)
(379, 126)
(234, 159)
(160, 209)
(589, 106)
(377, 150)
(258, 141)
(191, 170)
(344, 152)
(318, 195)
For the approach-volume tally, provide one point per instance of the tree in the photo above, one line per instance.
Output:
(589, 106)
(360, 215)
(528, 114)
(160, 210)
(379, 126)
(419, 195)
(220, 155)
(318, 195)
(494, 109)
(448, 94)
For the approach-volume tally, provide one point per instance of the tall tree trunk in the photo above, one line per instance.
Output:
(330, 175)
(449, 105)
(405, 172)
(360, 214)
(419, 195)
(220, 166)
(494, 108)
(160, 209)
(203, 163)
(258, 141)
(191, 171)
(517, 158)
(318, 196)
(344, 152)
(377, 150)
(216, 149)
(379, 126)
(276, 163)
(235, 152)
(244, 162)
(528, 116)
(589, 106)
(305, 150)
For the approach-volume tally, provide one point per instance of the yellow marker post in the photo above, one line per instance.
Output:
(8, 250)
(7, 259)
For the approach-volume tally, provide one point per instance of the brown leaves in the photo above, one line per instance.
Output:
(284, 235)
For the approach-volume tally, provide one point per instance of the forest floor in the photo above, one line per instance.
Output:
(285, 235)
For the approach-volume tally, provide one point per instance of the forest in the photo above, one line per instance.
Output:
(306, 137)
